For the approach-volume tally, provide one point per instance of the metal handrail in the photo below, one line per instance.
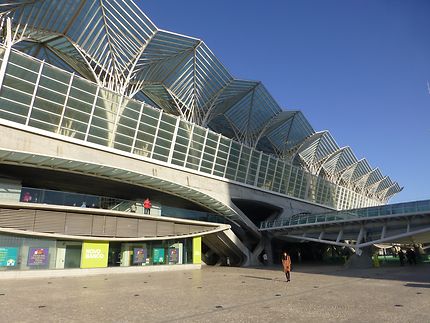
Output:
(386, 210)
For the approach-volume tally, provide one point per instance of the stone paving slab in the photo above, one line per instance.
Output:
(224, 294)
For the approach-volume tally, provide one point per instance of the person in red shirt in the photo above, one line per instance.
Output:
(147, 206)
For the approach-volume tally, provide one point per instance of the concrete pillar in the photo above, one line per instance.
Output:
(362, 258)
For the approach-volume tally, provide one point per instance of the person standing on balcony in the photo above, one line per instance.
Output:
(133, 208)
(286, 263)
(147, 206)
(27, 197)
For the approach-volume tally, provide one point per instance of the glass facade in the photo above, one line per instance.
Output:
(38, 95)
(29, 253)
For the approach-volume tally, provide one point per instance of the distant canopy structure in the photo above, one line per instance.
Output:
(114, 44)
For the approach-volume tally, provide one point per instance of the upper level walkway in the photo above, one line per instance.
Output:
(359, 227)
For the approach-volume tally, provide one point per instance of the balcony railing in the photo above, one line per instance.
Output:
(379, 211)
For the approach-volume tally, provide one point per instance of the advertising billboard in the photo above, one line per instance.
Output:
(38, 256)
(173, 255)
(139, 256)
(8, 257)
(158, 256)
(197, 250)
(94, 254)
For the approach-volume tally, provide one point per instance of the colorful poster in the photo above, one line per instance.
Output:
(197, 250)
(158, 256)
(94, 254)
(8, 257)
(38, 256)
(139, 256)
(173, 255)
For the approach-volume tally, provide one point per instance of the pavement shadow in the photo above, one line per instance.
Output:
(413, 275)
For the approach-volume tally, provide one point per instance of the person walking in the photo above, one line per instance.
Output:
(401, 257)
(286, 264)
(147, 206)
(265, 258)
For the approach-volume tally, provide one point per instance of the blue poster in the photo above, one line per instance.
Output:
(173, 255)
(38, 256)
(139, 256)
(8, 257)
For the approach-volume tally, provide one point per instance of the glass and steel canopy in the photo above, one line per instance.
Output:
(115, 45)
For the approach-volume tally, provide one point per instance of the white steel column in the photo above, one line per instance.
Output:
(265, 173)
(257, 173)
(228, 157)
(238, 162)
(8, 48)
(156, 133)
(216, 153)
(172, 146)
(360, 235)
(282, 179)
(251, 150)
(65, 103)
(33, 98)
(203, 148)
(115, 125)
(92, 113)
(339, 236)
(189, 145)
(274, 174)
(136, 131)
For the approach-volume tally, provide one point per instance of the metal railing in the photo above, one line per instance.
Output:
(43, 196)
(378, 211)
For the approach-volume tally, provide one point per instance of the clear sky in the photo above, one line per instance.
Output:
(356, 68)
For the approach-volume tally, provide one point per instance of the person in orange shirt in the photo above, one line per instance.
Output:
(286, 263)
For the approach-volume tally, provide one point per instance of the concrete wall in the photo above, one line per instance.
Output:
(220, 189)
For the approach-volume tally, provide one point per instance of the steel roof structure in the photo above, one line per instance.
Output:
(114, 44)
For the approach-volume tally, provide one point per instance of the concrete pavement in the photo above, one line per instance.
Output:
(224, 294)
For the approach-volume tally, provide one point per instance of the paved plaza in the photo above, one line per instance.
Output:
(224, 294)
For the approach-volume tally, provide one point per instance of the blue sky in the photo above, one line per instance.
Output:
(356, 68)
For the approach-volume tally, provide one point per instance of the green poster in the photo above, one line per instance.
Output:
(94, 254)
(197, 250)
(8, 257)
(158, 256)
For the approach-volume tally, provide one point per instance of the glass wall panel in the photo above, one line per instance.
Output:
(209, 152)
(18, 87)
(71, 106)
(127, 124)
(164, 137)
(78, 109)
(277, 177)
(195, 148)
(253, 166)
(233, 160)
(21, 253)
(264, 162)
(243, 164)
(146, 132)
(181, 144)
(221, 158)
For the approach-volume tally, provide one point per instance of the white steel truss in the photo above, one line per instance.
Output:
(113, 43)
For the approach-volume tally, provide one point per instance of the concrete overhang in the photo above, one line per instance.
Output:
(21, 158)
